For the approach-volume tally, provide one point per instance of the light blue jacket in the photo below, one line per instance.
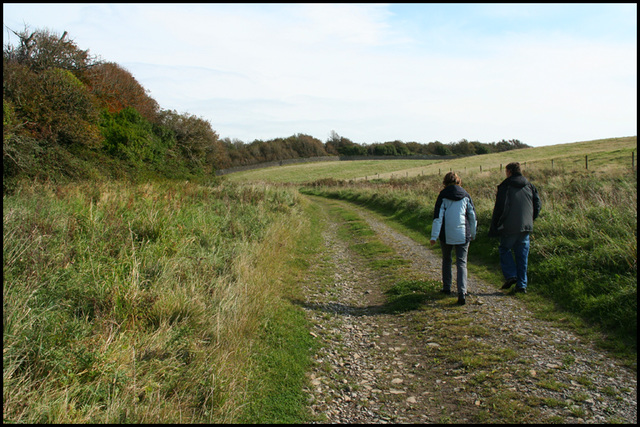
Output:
(454, 219)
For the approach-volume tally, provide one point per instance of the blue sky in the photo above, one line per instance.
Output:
(541, 73)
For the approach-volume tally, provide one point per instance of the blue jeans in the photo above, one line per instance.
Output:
(461, 264)
(515, 246)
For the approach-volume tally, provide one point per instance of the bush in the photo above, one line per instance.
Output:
(128, 136)
(53, 105)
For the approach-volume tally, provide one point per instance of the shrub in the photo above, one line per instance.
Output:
(128, 136)
(53, 105)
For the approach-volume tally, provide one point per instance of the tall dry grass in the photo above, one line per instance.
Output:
(137, 303)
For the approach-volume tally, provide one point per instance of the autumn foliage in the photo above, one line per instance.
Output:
(68, 114)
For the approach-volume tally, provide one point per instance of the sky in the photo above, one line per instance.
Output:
(544, 74)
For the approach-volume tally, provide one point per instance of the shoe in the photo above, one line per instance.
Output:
(521, 290)
(509, 283)
(442, 291)
(461, 300)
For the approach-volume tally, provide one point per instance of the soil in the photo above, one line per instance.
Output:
(489, 361)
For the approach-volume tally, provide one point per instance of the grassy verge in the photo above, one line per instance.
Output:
(283, 350)
(129, 303)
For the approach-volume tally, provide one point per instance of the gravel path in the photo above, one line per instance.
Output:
(376, 367)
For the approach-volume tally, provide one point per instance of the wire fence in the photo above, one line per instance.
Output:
(596, 161)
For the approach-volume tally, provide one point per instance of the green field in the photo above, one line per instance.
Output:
(602, 154)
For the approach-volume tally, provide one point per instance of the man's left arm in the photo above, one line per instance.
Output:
(537, 205)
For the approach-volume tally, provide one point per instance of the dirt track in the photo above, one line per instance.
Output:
(488, 361)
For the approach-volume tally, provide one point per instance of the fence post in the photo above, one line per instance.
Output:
(632, 159)
(586, 162)
(551, 164)
(500, 167)
(480, 168)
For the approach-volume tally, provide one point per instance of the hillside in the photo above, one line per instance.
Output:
(601, 154)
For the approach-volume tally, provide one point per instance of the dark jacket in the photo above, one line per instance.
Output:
(517, 205)
(454, 217)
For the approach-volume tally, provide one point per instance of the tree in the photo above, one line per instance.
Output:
(344, 146)
(19, 150)
(116, 89)
(194, 136)
(401, 148)
(416, 148)
(331, 146)
(463, 148)
(129, 136)
(385, 149)
(218, 155)
(438, 148)
(53, 105)
(480, 148)
(306, 146)
(41, 50)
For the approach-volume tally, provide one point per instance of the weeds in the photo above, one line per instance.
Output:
(135, 303)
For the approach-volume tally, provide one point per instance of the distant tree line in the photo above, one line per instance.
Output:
(67, 114)
(237, 153)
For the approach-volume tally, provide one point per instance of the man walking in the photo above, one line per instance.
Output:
(517, 206)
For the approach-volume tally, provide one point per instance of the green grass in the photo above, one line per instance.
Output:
(407, 295)
(282, 357)
(127, 303)
(283, 347)
(307, 172)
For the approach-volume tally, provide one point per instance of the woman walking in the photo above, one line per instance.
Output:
(454, 223)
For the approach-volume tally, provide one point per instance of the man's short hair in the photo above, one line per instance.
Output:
(514, 167)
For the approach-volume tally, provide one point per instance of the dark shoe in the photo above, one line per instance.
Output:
(509, 283)
(461, 300)
(521, 290)
(442, 291)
